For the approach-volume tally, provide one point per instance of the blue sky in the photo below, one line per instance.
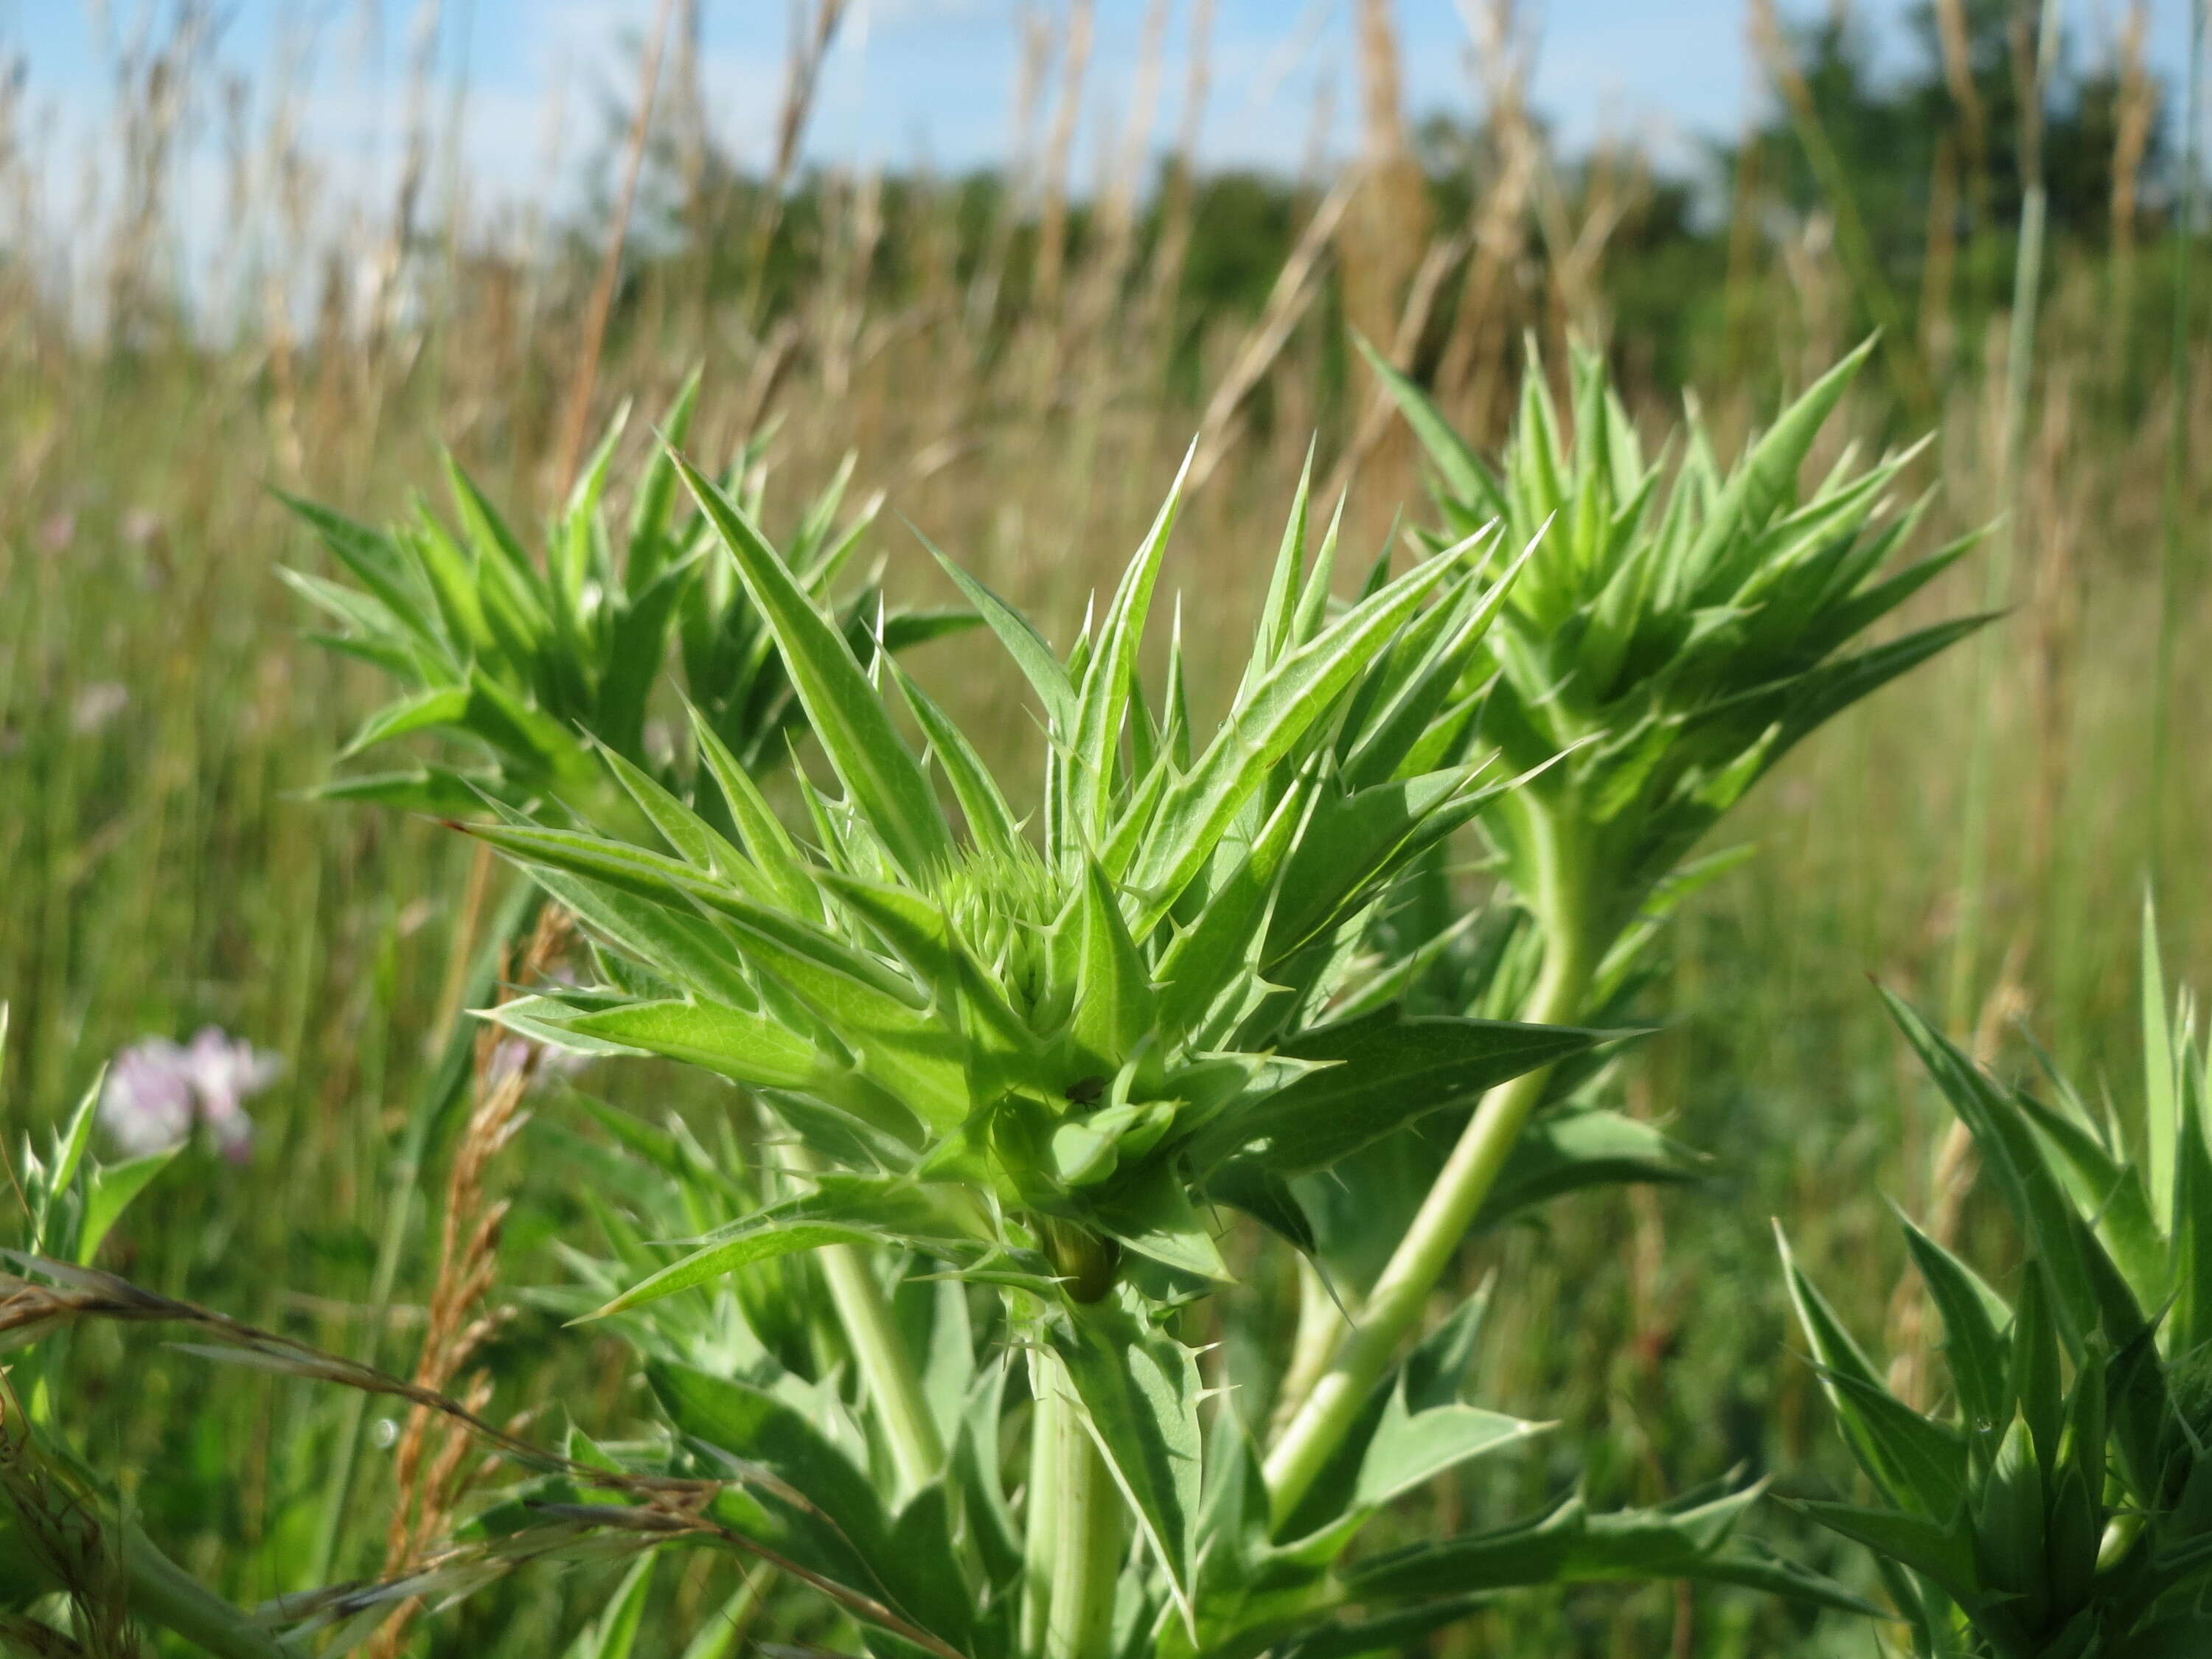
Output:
(935, 77)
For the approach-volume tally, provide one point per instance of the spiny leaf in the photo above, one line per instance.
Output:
(991, 821)
(1382, 1071)
(1102, 701)
(744, 1047)
(1113, 1000)
(1024, 643)
(1566, 1151)
(1285, 702)
(445, 706)
(1409, 1447)
(847, 715)
(843, 1209)
(1974, 1347)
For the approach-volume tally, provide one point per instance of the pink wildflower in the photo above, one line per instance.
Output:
(157, 1089)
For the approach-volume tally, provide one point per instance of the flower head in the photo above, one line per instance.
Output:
(157, 1089)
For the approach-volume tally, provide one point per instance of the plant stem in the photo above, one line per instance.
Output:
(162, 1593)
(1319, 1319)
(894, 1384)
(1048, 1387)
(1394, 1306)
(887, 1369)
(1075, 1529)
(472, 977)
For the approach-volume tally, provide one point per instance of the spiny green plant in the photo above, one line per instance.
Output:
(1037, 1065)
(1080, 1031)
(1039, 1062)
(1665, 647)
(2059, 1504)
(527, 661)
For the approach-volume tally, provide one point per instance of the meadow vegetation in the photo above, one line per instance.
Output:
(1019, 367)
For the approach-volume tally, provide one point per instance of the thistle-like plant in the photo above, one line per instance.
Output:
(527, 661)
(1039, 1061)
(1042, 1063)
(2059, 1504)
(1675, 632)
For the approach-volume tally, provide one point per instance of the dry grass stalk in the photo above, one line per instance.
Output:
(1390, 219)
(1178, 199)
(429, 1479)
(1320, 130)
(1938, 327)
(990, 279)
(1740, 294)
(1846, 228)
(387, 292)
(2136, 115)
(603, 292)
(1577, 250)
(855, 239)
(1444, 256)
(58, 1296)
(1951, 36)
(814, 25)
(687, 120)
(1480, 342)
(1106, 273)
(1052, 222)
(659, 1507)
(1294, 290)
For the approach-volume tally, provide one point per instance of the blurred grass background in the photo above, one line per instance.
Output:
(1019, 364)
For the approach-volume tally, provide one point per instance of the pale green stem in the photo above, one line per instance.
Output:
(887, 1369)
(1394, 1306)
(162, 1593)
(1042, 1544)
(1320, 1319)
(894, 1386)
(1079, 1509)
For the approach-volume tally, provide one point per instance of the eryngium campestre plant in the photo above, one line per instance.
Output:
(2059, 1505)
(529, 660)
(1668, 640)
(1040, 1065)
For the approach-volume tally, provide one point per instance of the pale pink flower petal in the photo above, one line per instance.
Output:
(156, 1089)
(145, 1104)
